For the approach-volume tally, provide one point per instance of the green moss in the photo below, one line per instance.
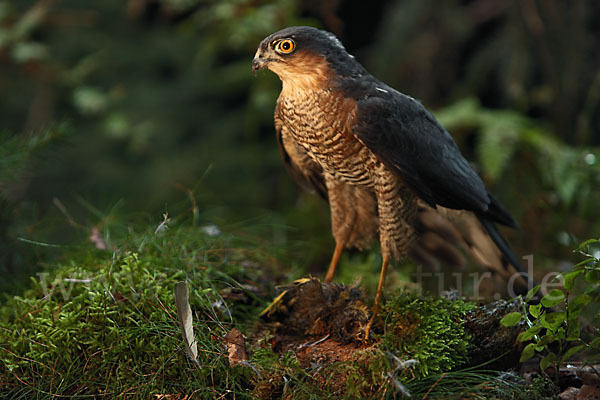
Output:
(429, 331)
(365, 377)
(281, 376)
(108, 325)
(105, 324)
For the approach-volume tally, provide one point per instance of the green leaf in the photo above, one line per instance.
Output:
(595, 343)
(577, 304)
(584, 262)
(571, 352)
(547, 339)
(527, 352)
(497, 141)
(465, 111)
(511, 319)
(553, 298)
(29, 51)
(529, 333)
(592, 276)
(89, 100)
(532, 293)
(586, 243)
(569, 278)
(556, 317)
(553, 320)
(547, 360)
(534, 310)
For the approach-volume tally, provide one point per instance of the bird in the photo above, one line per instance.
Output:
(388, 169)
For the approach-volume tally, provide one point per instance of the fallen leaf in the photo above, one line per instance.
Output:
(236, 347)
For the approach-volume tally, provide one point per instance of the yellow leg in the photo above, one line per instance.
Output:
(378, 295)
(337, 253)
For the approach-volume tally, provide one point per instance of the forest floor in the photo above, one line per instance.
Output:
(103, 323)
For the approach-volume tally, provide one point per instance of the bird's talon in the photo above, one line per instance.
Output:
(367, 335)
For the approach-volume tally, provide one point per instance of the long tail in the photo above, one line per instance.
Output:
(508, 255)
(443, 231)
(501, 243)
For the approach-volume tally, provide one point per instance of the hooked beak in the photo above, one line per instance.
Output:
(258, 63)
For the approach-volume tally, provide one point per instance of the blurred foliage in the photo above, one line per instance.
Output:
(533, 56)
(572, 172)
(149, 110)
(18, 154)
(160, 102)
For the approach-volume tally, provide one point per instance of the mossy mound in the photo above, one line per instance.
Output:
(105, 325)
(430, 331)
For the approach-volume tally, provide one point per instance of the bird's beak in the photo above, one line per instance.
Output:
(258, 62)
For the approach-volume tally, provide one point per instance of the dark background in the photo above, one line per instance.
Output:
(119, 111)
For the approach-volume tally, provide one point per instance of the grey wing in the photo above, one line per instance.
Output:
(412, 144)
(409, 141)
(307, 173)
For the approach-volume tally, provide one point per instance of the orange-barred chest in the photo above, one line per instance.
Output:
(320, 122)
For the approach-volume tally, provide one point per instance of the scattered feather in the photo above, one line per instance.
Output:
(97, 239)
(211, 230)
(184, 312)
(271, 307)
(164, 225)
(75, 280)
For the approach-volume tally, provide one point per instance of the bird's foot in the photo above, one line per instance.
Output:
(367, 332)
(378, 298)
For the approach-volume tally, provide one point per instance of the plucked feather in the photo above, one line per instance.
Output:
(184, 313)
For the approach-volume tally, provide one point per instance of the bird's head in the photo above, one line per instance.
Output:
(303, 56)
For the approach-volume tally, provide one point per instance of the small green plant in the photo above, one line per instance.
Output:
(554, 327)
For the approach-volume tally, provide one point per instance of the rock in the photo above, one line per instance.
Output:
(571, 393)
(586, 392)
(490, 339)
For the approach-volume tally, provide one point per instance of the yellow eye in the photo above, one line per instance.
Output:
(286, 46)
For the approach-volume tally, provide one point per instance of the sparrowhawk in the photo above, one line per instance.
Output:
(386, 166)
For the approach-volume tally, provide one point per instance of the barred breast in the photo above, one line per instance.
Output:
(318, 121)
